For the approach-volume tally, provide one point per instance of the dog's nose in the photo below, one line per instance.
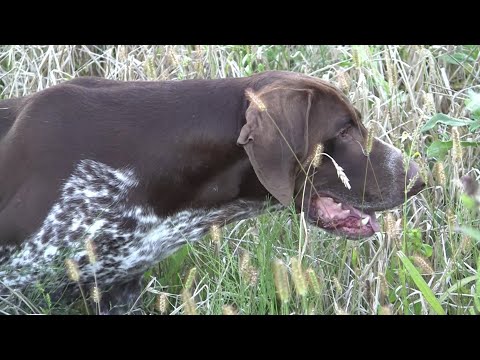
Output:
(419, 184)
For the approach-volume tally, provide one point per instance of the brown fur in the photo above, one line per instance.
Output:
(193, 144)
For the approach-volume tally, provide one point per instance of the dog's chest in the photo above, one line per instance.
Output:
(127, 239)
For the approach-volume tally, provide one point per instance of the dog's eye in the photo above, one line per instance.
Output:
(344, 131)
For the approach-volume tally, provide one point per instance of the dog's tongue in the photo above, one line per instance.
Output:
(339, 213)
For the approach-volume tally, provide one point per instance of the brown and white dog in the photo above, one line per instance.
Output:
(141, 168)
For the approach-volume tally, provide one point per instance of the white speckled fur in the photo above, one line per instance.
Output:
(128, 239)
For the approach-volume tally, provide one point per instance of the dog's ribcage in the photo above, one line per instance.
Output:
(127, 239)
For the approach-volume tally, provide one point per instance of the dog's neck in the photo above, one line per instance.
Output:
(208, 179)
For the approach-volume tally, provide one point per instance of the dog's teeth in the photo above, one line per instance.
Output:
(365, 220)
(338, 206)
(345, 213)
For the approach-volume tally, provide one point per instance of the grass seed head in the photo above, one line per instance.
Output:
(72, 270)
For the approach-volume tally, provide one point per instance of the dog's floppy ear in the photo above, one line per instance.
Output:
(275, 137)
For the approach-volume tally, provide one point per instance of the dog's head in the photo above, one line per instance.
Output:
(294, 117)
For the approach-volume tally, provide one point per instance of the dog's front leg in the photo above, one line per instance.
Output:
(120, 298)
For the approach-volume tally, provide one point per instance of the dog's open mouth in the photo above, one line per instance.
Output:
(341, 218)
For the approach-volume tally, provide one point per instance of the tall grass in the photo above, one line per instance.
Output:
(423, 99)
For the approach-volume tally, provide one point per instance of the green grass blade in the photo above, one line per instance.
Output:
(457, 286)
(476, 297)
(421, 284)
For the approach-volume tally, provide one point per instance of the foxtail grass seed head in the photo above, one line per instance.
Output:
(451, 218)
(248, 272)
(415, 138)
(317, 156)
(72, 270)
(343, 81)
(391, 71)
(466, 244)
(337, 285)
(383, 289)
(199, 68)
(162, 303)
(370, 137)
(188, 303)
(298, 277)
(368, 292)
(405, 136)
(229, 310)
(428, 104)
(173, 58)
(190, 278)
(244, 264)
(398, 238)
(252, 276)
(431, 65)
(389, 224)
(96, 295)
(392, 228)
(341, 311)
(412, 182)
(456, 146)
(423, 264)
(394, 73)
(280, 274)
(423, 170)
(216, 233)
(439, 174)
(395, 114)
(122, 53)
(313, 281)
(255, 99)
(356, 57)
(149, 68)
(385, 310)
(90, 248)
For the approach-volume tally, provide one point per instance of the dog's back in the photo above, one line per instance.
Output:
(123, 124)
